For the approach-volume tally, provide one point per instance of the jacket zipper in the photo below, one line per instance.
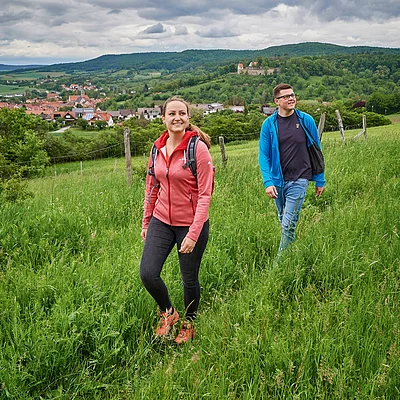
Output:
(169, 186)
(169, 192)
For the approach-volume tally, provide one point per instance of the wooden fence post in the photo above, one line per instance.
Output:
(339, 118)
(127, 142)
(81, 167)
(224, 157)
(321, 124)
(364, 130)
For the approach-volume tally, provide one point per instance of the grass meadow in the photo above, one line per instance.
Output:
(12, 89)
(76, 323)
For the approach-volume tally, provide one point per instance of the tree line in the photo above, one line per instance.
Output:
(27, 145)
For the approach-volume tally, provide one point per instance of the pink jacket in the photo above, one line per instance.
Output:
(180, 200)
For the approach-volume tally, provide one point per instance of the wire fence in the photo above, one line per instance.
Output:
(105, 152)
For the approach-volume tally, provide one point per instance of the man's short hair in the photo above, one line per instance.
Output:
(281, 86)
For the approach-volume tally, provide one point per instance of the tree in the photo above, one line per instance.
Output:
(81, 123)
(22, 152)
(378, 102)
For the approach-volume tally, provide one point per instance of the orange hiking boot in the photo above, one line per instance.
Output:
(186, 333)
(167, 320)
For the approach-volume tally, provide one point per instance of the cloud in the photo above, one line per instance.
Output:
(84, 29)
(114, 12)
(216, 32)
(368, 10)
(181, 30)
(12, 16)
(322, 9)
(157, 28)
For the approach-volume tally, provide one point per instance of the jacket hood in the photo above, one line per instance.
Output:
(162, 140)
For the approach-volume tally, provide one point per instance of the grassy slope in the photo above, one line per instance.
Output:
(9, 90)
(76, 322)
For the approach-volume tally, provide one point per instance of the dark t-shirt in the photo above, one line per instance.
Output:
(295, 161)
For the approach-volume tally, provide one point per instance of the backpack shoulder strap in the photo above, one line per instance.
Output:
(191, 155)
(150, 171)
(154, 151)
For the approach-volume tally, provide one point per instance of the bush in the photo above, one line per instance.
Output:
(14, 190)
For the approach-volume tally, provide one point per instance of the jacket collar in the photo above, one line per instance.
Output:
(162, 140)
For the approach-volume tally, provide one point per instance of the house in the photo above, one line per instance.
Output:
(149, 112)
(91, 118)
(52, 96)
(126, 114)
(238, 109)
(52, 115)
(105, 116)
(47, 117)
(202, 107)
(207, 108)
(271, 71)
(115, 115)
(35, 109)
(214, 107)
(68, 116)
(359, 104)
(267, 110)
(253, 69)
(78, 99)
(79, 111)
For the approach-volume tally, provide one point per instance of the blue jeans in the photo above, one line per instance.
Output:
(288, 203)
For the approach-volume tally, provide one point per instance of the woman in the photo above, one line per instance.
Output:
(176, 212)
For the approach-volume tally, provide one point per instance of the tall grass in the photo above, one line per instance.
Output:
(75, 321)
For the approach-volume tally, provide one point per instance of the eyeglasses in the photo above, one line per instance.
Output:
(287, 96)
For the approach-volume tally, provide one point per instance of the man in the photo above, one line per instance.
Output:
(284, 160)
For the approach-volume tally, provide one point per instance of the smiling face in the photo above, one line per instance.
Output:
(176, 117)
(286, 102)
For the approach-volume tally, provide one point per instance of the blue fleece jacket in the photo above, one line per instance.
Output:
(269, 156)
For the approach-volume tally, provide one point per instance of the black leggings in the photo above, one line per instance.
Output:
(160, 240)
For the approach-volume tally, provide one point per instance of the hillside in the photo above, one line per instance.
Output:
(76, 322)
(209, 59)
(5, 67)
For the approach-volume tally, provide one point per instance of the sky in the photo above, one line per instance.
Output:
(50, 31)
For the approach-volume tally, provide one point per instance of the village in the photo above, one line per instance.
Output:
(89, 109)
(80, 106)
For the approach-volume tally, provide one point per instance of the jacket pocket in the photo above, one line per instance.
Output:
(192, 203)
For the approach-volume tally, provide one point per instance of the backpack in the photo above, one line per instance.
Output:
(191, 160)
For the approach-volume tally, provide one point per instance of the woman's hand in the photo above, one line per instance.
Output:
(143, 234)
(187, 245)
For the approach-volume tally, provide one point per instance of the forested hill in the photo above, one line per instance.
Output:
(209, 59)
(5, 67)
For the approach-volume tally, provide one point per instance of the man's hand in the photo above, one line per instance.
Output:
(319, 190)
(271, 192)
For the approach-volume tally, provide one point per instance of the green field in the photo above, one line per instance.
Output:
(395, 118)
(13, 89)
(82, 133)
(29, 75)
(76, 323)
(23, 78)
